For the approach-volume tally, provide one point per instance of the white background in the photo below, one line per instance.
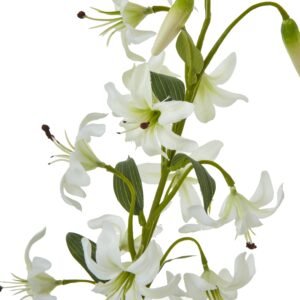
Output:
(53, 70)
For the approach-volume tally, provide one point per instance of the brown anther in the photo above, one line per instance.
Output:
(144, 125)
(46, 129)
(1, 288)
(81, 15)
(251, 246)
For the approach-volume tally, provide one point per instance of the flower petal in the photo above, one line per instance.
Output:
(149, 173)
(156, 65)
(208, 151)
(131, 55)
(44, 297)
(224, 71)
(75, 190)
(39, 265)
(86, 132)
(173, 111)
(150, 142)
(91, 117)
(204, 108)
(32, 241)
(136, 36)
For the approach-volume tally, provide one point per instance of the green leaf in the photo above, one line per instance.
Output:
(179, 257)
(129, 169)
(164, 87)
(206, 182)
(75, 248)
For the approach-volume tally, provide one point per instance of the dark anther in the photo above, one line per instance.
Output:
(145, 125)
(1, 288)
(81, 15)
(251, 245)
(46, 129)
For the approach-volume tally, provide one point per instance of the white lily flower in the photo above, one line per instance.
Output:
(38, 284)
(222, 286)
(247, 213)
(209, 93)
(125, 280)
(80, 157)
(189, 198)
(147, 121)
(124, 19)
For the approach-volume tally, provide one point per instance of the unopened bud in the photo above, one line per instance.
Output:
(291, 38)
(172, 24)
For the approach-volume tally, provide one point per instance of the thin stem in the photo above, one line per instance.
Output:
(132, 207)
(205, 25)
(215, 48)
(69, 281)
(203, 257)
(159, 8)
(229, 180)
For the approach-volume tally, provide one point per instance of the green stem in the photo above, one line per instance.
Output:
(132, 207)
(69, 281)
(203, 257)
(159, 8)
(215, 48)
(229, 180)
(205, 25)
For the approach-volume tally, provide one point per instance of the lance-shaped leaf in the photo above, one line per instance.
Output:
(190, 55)
(129, 169)
(206, 182)
(164, 87)
(75, 248)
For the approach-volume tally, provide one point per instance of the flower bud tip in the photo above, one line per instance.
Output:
(81, 15)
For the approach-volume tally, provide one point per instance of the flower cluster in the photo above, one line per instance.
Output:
(152, 115)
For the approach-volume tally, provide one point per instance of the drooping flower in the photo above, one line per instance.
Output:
(146, 120)
(125, 280)
(124, 19)
(247, 213)
(209, 93)
(80, 157)
(189, 197)
(222, 286)
(172, 24)
(38, 284)
(291, 38)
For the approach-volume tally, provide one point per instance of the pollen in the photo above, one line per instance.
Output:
(251, 246)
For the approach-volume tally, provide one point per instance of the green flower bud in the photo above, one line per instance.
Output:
(172, 24)
(291, 38)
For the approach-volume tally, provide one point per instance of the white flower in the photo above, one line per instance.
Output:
(125, 19)
(210, 94)
(222, 286)
(38, 284)
(247, 213)
(147, 121)
(150, 173)
(125, 280)
(81, 158)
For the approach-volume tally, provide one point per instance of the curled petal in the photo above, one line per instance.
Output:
(131, 55)
(39, 265)
(209, 151)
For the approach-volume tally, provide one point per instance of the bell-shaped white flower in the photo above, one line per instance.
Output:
(38, 284)
(210, 94)
(80, 157)
(247, 213)
(189, 197)
(222, 286)
(125, 280)
(147, 121)
(124, 19)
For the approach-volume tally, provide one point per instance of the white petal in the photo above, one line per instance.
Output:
(150, 173)
(173, 141)
(137, 36)
(173, 111)
(247, 221)
(32, 241)
(157, 293)
(86, 132)
(204, 108)
(197, 286)
(44, 297)
(131, 55)
(76, 174)
(156, 65)
(208, 151)
(91, 117)
(224, 71)
(188, 228)
(67, 199)
(264, 192)
(150, 142)
(39, 265)
(224, 98)
(263, 213)
(147, 266)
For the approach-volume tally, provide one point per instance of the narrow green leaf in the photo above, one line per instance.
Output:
(75, 248)
(129, 169)
(165, 87)
(206, 182)
(176, 258)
